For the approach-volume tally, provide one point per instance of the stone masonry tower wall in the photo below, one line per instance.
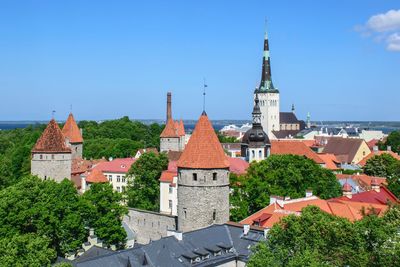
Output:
(51, 166)
(203, 198)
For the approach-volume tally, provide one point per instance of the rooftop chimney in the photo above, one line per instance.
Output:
(309, 193)
(375, 185)
(347, 190)
(169, 111)
(389, 148)
(246, 229)
(176, 234)
(375, 149)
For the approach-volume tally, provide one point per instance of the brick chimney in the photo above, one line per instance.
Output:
(347, 190)
(375, 185)
(169, 111)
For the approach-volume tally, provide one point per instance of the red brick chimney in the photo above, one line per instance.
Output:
(169, 112)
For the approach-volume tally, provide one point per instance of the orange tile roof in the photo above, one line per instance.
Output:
(181, 128)
(204, 150)
(168, 176)
(330, 161)
(362, 179)
(377, 153)
(71, 130)
(96, 176)
(80, 165)
(170, 130)
(52, 140)
(281, 147)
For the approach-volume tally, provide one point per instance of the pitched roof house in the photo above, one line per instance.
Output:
(347, 150)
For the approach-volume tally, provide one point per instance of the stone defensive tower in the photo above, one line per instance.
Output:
(73, 137)
(51, 157)
(172, 137)
(268, 95)
(203, 180)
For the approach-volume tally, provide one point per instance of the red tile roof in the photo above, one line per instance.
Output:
(362, 179)
(377, 153)
(80, 165)
(330, 161)
(52, 140)
(170, 130)
(168, 176)
(238, 165)
(204, 150)
(71, 130)
(181, 129)
(372, 143)
(384, 196)
(120, 165)
(345, 149)
(96, 176)
(294, 147)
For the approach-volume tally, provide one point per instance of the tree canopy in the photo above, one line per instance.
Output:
(317, 238)
(56, 218)
(385, 165)
(393, 140)
(281, 175)
(143, 190)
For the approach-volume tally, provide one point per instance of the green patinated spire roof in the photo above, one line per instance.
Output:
(266, 84)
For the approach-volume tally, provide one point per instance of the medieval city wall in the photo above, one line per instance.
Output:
(169, 144)
(149, 225)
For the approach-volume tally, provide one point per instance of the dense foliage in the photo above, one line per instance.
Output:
(226, 139)
(54, 217)
(114, 138)
(144, 190)
(281, 175)
(317, 238)
(393, 140)
(385, 165)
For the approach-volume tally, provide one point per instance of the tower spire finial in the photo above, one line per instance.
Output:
(52, 114)
(204, 94)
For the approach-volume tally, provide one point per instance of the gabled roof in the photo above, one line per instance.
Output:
(288, 118)
(52, 140)
(96, 176)
(377, 153)
(71, 130)
(168, 176)
(331, 162)
(345, 149)
(204, 151)
(119, 165)
(383, 197)
(170, 130)
(294, 147)
(362, 180)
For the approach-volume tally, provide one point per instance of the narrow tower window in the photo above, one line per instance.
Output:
(214, 176)
(194, 176)
(214, 215)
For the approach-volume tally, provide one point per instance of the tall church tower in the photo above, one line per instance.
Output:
(268, 95)
(203, 180)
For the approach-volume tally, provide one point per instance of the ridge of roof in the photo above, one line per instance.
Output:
(52, 140)
(96, 176)
(71, 130)
(170, 129)
(203, 151)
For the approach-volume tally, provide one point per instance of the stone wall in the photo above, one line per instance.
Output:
(76, 149)
(51, 166)
(204, 200)
(169, 144)
(149, 225)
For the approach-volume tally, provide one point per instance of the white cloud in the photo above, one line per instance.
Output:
(393, 42)
(385, 22)
(383, 27)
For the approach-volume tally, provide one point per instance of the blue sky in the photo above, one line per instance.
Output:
(114, 58)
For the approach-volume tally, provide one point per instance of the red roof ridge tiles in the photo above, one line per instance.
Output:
(71, 130)
(52, 140)
(203, 151)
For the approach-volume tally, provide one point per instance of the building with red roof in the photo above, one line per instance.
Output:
(92, 177)
(295, 147)
(51, 157)
(173, 137)
(377, 152)
(73, 137)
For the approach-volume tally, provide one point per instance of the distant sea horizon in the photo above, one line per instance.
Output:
(385, 126)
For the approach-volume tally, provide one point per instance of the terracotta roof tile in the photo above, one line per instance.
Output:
(80, 165)
(204, 150)
(170, 130)
(281, 147)
(238, 165)
(345, 149)
(330, 161)
(119, 165)
(181, 129)
(168, 176)
(52, 140)
(71, 130)
(96, 176)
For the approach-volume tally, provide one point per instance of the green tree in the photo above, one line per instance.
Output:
(26, 250)
(385, 165)
(283, 175)
(105, 213)
(144, 187)
(393, 140)
(237, 198)
(315, 238)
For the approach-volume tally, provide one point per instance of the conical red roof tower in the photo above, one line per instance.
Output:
(52, 140)
(71, 130)
(204, 151)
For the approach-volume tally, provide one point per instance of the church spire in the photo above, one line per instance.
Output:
(256, 112)
(266, 79)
